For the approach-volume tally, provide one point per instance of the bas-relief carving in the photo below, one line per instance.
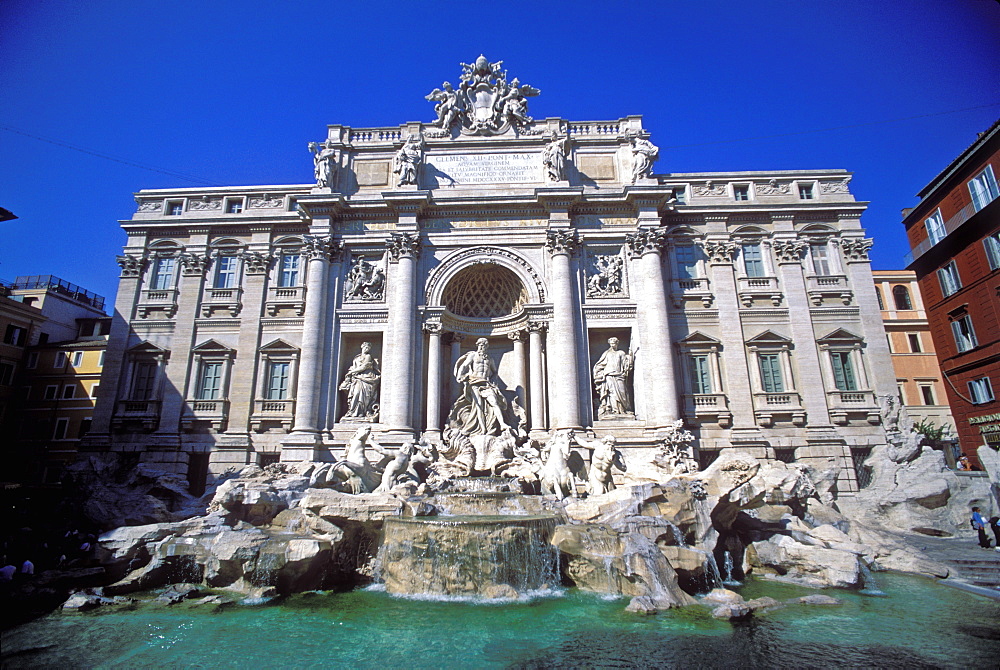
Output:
(835, 186)
(324, 163)
(605, 276)
(710, 188)
(644, 154)
(266, 202)
(151, 206)
(408, 160)
(485, 102)
(611, 374)
(362, 384)
(773, 187)
(365, 282)
(201, 205)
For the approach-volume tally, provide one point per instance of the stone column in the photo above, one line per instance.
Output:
(399, 352)
(660, 390)
(564, 344)
(434, 389)
(517, 337)
(789, 252)
(536, 394)
(307, 392)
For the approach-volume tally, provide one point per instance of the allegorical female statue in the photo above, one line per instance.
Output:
(611, 381)
(361, 383)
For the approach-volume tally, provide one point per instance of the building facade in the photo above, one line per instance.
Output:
(264, 323)
(954, 233)
(918, 376)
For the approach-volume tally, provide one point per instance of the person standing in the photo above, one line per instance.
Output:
(995, 527)
(979, 523)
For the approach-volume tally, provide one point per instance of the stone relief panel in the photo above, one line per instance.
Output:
(365, 280)
(774, 187)
(835, 186)
(206, 205)
(271, 201)
(710, 188)
(606, 276)
(151, 206)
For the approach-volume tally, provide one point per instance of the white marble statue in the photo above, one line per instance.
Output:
(481, 408)
(323, 166)
(604, 457)
(407, 161)
(361, 383)
(556, 477)
(644, 154)
(396, 471)
(449, 107)
(355, 471)
(611, 381)
(554, 159)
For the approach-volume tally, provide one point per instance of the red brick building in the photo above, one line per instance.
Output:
(955, 236)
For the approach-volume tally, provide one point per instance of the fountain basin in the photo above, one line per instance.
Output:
(483, 556)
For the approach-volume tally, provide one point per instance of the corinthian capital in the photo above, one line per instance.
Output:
(856, 249)
(403, 245)
(789, 251)
(646, 242)
(132, 266)
(720, 251)
(561, 242)
(324, 248)
(193, 265)
(256, 263)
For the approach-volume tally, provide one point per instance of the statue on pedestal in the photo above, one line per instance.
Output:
(611, 381)
(361, 383)
(407, 160)
(644, 154)
(554, 159)
(323, 165)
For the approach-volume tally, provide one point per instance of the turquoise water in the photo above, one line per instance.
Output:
(918, 624)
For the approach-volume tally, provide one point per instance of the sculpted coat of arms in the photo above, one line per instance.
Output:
(485, 103)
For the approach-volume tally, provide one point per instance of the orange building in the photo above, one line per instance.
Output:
(918, 375)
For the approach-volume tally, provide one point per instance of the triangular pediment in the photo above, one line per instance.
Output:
(278, 345)
(839, 336)
(212, 346)
(769, 337)
(698, 337)
(147, 348)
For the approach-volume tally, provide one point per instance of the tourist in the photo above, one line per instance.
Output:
(964, 463)
(979, 523)
(995, 526)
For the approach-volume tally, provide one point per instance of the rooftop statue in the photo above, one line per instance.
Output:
(485, 102)
(408, 160)
(644, 154)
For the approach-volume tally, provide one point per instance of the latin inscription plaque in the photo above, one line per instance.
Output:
(471, 169)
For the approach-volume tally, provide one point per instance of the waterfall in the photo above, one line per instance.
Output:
(869, 586)
(678, 535)
(712, 575)
(728, 570)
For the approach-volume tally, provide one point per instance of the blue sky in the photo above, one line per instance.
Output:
(231, 93)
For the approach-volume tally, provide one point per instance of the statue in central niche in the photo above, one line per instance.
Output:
(481, 408)
(611, 381)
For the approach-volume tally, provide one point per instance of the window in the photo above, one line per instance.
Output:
(935, 227)
(93, 390)
(901, 296)
(288, 275)
(950, 281)
(983, 188)
(687, 262)
(899, 392)
(210, 381)
(806, 191)
(843, 371)
(225, 271)
(69, 391)
(6, 373)
(741, 192)
(51, 392)
(927, 394)
(965, 336)
(981, 390)
(770, 373)
(60, 360)
(914, 339)
(234, 206)
(62, 425)
(293, 204)
(175, 208)
(84, 427)
(32, 360)
(680, 195)
(163, 273)
(753, 260)
(878, 296)
(143, 378)
(992, 244)
(15, 336)
(701, 376)
(100, 360)
(888, 340)
(77, 359)
(820, 254)
(277, 380)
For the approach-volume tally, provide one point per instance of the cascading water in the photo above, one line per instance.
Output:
(869, 586)
(493, 557)
(727, 574)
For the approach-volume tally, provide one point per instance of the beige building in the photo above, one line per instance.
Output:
(918, 375)
(742, 302)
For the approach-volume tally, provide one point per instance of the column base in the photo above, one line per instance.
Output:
(301, 446)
